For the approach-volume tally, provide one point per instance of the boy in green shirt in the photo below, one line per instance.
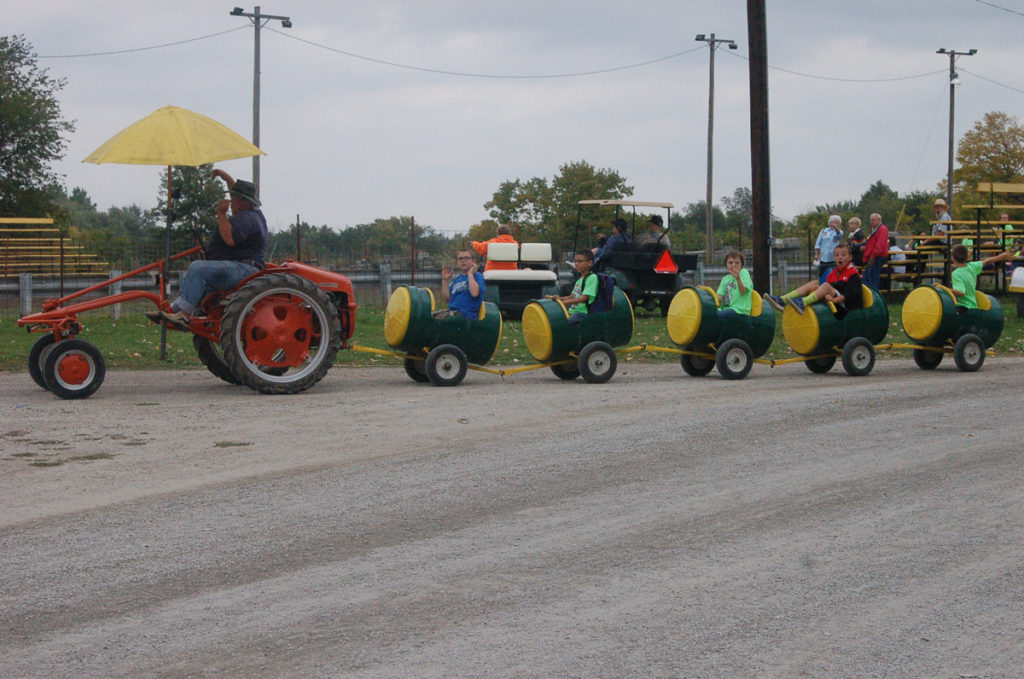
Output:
(585, 290)
(964, 278)
(736, 287)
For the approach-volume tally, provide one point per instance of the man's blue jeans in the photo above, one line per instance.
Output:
(873, 273)
(205, 275)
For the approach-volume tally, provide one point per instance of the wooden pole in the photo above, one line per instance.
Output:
(759, 157)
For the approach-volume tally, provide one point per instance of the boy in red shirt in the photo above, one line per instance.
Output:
(842, 287)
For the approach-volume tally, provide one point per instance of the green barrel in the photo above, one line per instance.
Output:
(549, 336)
(694, 324)
(930, 317)
(818, 331)
(410, 328)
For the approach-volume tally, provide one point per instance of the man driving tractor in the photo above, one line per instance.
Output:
(235, 252)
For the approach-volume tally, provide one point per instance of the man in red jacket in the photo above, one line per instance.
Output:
(504, 236)
(876, 250)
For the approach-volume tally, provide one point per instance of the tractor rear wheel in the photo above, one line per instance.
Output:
(73, 369)
(210, 356)
(280, 334)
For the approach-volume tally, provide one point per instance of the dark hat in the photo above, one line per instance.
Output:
(620, 224)
(246, 191)
(656, 219)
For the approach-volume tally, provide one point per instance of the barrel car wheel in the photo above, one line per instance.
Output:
(446, 365)
(821, 364)
(734, 359)
(858, 357)
(927, 360)
(969, 353)
(566, 371)
(73, 369)
(597, 362)
(416, 369)
(35, 358)
(280, 334)
(696, 366)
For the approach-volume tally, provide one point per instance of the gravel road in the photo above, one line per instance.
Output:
(786, 525)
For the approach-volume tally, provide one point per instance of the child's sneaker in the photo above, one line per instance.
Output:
(797, 303)
(776, 301)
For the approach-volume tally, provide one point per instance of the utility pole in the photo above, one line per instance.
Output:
(954, 80)
(712, 42)
(760, 170)
(258, 21)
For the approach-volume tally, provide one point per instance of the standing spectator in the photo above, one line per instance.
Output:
(941, 224)
(876, 250)
(504, 236)
(826, 244)
(856, 241)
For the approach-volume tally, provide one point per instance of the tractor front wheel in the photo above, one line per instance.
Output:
(280, 334)
(35, 359)
(73, 369)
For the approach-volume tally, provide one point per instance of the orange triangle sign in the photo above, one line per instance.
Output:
(666, 264)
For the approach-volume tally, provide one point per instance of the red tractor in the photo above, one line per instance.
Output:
(278, 332)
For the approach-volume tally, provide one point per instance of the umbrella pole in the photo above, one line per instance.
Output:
(165, 268)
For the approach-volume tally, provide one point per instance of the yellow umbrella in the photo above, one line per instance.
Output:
(173, 136)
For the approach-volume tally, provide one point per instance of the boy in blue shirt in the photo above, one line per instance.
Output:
(464, 292)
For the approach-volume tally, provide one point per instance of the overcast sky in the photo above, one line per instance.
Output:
(857, 94)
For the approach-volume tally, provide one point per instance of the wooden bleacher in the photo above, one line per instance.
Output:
(36, 246)
(928, 261)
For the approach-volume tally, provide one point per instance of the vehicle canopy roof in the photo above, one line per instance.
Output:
(623, 202)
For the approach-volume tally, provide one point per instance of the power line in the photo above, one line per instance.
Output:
(1005, 9)
(844, 80)
(482, 75)
(139, 49)
(989, 80)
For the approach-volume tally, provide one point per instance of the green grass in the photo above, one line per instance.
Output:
(134, 343)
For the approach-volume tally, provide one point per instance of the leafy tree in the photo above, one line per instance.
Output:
(32, 131)
(546, 211)
(194, 213)
(991, 151)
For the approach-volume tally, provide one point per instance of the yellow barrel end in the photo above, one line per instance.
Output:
(922, 313)
(801, 330)
(396, 316)
(684, 316)
(537, 331)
